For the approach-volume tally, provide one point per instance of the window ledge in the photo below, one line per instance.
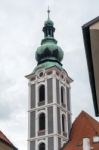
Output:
(41, 103)
(41, 132)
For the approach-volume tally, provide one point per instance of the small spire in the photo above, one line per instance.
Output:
(48, 28)
(48, 11)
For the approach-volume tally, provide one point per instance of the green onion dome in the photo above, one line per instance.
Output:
(48, 22)
(49, 50)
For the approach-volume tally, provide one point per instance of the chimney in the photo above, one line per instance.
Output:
(86, 144)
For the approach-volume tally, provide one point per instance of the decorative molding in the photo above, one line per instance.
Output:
(47, 136)
(49, 105)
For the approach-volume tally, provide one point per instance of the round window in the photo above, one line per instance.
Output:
(41, 74)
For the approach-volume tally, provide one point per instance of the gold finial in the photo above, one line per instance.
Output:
(48, 11)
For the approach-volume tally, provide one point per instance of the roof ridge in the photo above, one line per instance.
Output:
(84, 126)
(5, 138)
(88, 117)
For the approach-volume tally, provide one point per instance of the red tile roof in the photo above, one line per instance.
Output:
(83, 126)
(4, 139)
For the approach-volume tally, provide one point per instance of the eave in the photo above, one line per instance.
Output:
(89, 56)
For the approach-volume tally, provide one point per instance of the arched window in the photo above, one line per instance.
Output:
(63, 123)
(41, 93)
(42, 146)
(62, 95)
(42, 121)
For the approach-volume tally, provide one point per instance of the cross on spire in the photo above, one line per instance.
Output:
(48, 11)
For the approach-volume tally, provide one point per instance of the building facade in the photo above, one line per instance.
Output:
(49, 114)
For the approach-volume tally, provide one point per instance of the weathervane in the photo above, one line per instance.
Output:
(48, 11)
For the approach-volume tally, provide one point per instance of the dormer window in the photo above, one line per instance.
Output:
(96, 139)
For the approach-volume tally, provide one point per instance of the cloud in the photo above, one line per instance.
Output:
(21, 23)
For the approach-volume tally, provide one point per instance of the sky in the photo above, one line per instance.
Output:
(21, 23)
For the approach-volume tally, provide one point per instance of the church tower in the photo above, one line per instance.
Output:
(49, 114)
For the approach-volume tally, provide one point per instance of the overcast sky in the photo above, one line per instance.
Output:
(21, 23)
